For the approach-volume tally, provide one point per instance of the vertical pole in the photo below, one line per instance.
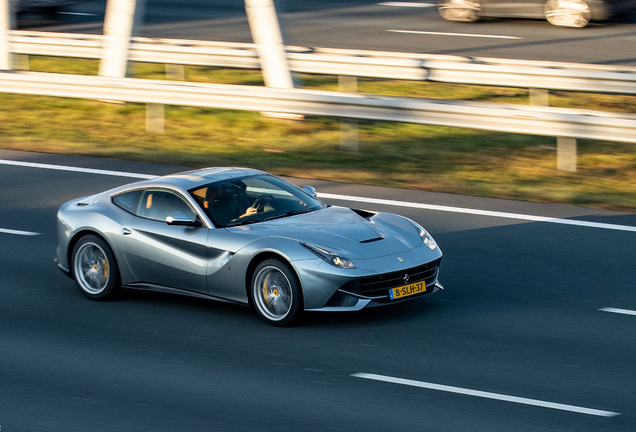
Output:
(6, 21)
(348, 127)
(261, 15)
(118, 30)
(118, 25)
(566, 154)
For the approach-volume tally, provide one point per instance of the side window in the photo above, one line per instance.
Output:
(158, 205)
(128, 201)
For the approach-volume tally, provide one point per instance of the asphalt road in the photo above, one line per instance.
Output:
(364, 24)
(519, 318)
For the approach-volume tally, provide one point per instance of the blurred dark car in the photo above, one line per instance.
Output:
(567, 13)
(41, 6)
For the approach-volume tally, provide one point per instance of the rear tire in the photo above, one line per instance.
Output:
(95, 269)
(276, 292)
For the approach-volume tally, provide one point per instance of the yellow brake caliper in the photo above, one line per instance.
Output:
(265, 287)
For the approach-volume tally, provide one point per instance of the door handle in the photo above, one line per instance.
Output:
(126, 231)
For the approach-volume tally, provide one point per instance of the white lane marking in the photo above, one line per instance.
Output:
(76, 169)
(479, 212)
(487, 395)
(393, 203)
(407, 4)
(18, 232)
(455, 34)
(618, 311)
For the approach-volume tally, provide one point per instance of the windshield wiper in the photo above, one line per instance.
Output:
(289, 213)
(242, 222)
(251, 221)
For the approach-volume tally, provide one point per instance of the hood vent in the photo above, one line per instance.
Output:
(364, 213)
(371, 240)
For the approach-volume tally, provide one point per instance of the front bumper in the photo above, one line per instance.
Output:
(349, 302)
(67, 272)
(328, 288)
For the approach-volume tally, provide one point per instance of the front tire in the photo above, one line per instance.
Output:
(95, 269)
(567, 13)
(276, 292)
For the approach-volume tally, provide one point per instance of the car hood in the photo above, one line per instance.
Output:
(344, 231)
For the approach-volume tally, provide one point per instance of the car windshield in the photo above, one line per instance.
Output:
(252, 199)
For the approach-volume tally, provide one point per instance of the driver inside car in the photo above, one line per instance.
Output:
(224, 207)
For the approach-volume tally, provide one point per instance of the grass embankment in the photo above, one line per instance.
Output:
(390, 154)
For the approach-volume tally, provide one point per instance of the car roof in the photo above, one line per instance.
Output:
(191, 179)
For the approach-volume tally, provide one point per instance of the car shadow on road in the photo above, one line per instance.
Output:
(423, 308)
(222, 313)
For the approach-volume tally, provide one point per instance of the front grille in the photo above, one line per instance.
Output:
(378, 285)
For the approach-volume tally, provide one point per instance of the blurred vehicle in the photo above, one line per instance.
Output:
(243, 236)
(568, 13)
(41, 6)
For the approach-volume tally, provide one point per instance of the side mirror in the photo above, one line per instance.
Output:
(310, 190)
(180, 218)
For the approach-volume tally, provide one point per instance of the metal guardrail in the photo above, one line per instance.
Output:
(560, 122)
(438, 68)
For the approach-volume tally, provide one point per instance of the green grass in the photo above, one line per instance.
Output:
(431, 158)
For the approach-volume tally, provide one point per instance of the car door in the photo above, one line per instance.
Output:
(515, 8)
(161, 254)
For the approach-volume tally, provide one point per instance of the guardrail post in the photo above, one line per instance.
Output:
(566, 154)
(539, 97)
(175, 72)
(348, 127)
(21, 61)
(261, 15)
(155, 116)
(6, 21)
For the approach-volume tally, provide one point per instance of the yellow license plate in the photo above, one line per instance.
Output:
(407, 290)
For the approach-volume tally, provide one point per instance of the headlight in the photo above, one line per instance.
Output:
(330, 257)
(426, 237)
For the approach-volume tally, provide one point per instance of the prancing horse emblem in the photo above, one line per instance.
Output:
(406, 279)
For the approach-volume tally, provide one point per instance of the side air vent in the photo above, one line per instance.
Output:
(372, 240)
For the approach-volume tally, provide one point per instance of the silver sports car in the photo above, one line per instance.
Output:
(243, 236)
